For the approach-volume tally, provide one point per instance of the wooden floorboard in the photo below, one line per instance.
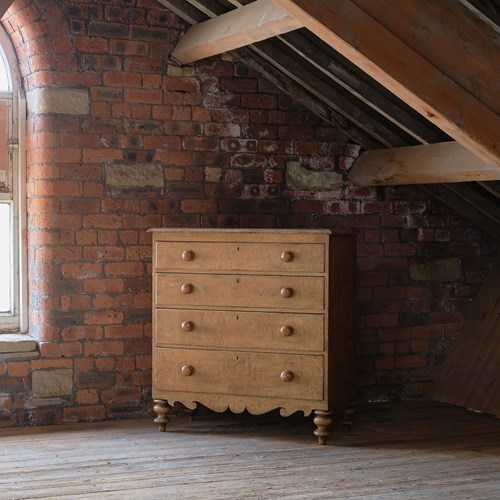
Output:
(403, 451)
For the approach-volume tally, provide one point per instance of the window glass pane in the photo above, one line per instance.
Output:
(4, 79)
(5, 261)
(4, 141)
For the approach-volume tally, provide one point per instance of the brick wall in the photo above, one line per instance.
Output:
(144, 144)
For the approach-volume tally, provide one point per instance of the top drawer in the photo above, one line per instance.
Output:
(240, 256)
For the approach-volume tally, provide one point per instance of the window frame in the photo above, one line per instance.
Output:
(16, 321)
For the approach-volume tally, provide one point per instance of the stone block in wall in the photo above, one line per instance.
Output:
(173, 70)
(436, 269)
(42, 402)
(51, 383)
(134, 175)
(61, 101)
(302, 179)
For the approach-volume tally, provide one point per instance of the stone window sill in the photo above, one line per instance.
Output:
(17, 345)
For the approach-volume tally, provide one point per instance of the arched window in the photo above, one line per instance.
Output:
(12, 192)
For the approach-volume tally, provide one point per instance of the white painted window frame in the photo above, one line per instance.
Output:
(17, 320)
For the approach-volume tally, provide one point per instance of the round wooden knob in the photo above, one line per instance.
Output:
(286, 330)
(187, 326)
(187, 370)
(286, 376)
(187, 288)
(286, 293)
(187, 255)
(287, 256)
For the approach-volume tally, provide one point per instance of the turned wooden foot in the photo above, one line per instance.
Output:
(161, 408)
(348, 418)
(323, 420)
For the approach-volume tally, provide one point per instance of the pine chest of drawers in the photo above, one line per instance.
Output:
(254, 320)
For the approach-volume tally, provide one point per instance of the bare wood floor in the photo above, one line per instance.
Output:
(410, 451)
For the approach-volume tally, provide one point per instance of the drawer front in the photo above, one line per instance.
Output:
(240, 330)
(216, 290)
(228, 256)
(239, 373)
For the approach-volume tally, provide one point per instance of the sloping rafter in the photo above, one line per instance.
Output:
(472, 201)
(254, 22)
(425, 164)
(404, 71)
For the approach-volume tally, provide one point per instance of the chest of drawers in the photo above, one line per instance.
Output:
(254, 320)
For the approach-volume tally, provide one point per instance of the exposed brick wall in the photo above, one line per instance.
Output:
(222, 138)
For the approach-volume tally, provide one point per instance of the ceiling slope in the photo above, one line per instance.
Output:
(377, 103)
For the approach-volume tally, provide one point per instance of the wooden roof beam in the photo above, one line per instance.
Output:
(347, 28)
(425, 164)
(240, 27)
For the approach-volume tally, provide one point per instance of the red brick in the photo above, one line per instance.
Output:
(138, 252)
(105, 364)
(73, 333)
(87, 396)
(40, 364)
(124, 269)
(107, 237)
(94, 44)
(446, 317)
(58, 188)
(18, 368)
(84, 413)
(141, 221)
(103, 348)
(102, 110)
(103, 253)
(102, 302)
(129, 48)
(199, 206)
(121, 394)
(67, 349)
(151, 96)
(411, 361)
(384, 364)
(123, 331)
(102, 317)
(81, 271)
(107, 221)
(122, 79)
(144, 362)
(184, 84)
(256, 101)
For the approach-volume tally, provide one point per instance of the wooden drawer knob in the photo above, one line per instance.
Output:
(187, 370)
(287, 256)
(286, 293)
(187, 288)
(286, 330)
(286, 376)
(187, 255)
(187, 326)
